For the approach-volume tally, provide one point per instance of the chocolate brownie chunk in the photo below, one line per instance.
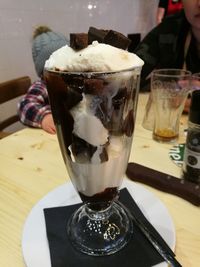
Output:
(101, 200)
(82, 150)
(104, 155)
(128, 125)
(117, 39)
(78, 41)
(110, 37)
(95, 34)
(93, 86)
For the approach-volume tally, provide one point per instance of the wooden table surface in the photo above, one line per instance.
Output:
(31, 165)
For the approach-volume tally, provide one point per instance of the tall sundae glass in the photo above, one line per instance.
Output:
(94, 113)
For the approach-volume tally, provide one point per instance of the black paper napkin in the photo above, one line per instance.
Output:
(138, 253)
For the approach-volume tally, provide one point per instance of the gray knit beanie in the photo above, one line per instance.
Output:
(45, 42)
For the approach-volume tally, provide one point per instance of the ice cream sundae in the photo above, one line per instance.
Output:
(92, 98)
(93, 87)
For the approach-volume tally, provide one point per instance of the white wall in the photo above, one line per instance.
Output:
(18, 18)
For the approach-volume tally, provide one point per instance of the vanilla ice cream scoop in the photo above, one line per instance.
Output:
(97, 57)
(86, 125)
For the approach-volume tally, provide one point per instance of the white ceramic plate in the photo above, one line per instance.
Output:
(34, 241)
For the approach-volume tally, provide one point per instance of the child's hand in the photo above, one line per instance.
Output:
(48, 124)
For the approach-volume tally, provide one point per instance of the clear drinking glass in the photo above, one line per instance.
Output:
(149, 117)
(169, 89)
(94, 115)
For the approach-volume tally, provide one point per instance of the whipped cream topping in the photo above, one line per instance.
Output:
(97, 57)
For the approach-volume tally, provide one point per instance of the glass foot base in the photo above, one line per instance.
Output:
(99, 233)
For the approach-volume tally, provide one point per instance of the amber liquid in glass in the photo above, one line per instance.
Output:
(165, 135)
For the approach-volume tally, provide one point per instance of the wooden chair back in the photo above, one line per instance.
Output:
(10, 90)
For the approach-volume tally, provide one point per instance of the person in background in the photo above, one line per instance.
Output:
(174, 43)
(34, 108)
(167, 7)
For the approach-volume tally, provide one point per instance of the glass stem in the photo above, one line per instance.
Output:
(98, 215)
